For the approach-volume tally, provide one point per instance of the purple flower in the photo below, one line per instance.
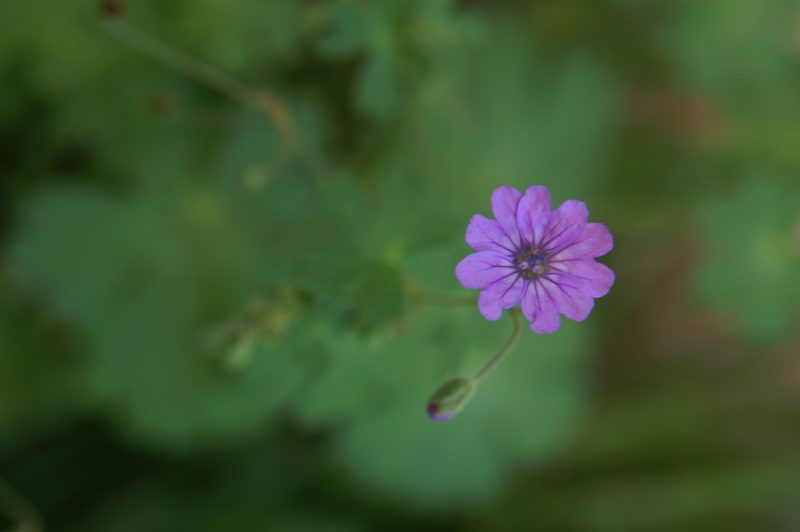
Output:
(539, 257)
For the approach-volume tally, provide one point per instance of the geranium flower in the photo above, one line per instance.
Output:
(536, 256)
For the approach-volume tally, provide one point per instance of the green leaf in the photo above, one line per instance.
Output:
(145, 287)
(380, 297)
(519, 417)
(400, 40)
(501, 114)
(381, 85)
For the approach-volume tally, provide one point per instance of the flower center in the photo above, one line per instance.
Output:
(530, 262)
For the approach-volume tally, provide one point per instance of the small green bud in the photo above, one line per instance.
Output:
(451, 398)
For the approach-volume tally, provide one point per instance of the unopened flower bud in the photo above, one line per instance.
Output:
(450, 398)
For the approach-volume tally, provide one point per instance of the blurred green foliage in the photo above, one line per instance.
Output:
(757, 283)
(225, 309)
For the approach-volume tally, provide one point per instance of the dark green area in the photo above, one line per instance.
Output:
(226, 298)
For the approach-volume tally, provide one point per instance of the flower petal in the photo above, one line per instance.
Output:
(564, 226)
(539, 307)
(595, 241)
(570, 300)
(481, 269)
(504, 206)
(589, 275)
(505, 293)
(484, 234)
(532, 213)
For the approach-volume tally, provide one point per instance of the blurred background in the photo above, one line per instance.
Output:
(228, 231)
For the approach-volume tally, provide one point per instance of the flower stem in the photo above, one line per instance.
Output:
(234, 89)
(504, 351)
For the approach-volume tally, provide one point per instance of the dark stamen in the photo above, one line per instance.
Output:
(530, 262)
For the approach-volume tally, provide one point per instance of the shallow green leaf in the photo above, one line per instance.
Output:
(520, 415)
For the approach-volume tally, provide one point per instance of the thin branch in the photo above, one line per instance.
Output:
(504, 351)
(275, 110)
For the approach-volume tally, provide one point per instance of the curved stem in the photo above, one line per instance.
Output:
(504, 351)
(211, 77)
